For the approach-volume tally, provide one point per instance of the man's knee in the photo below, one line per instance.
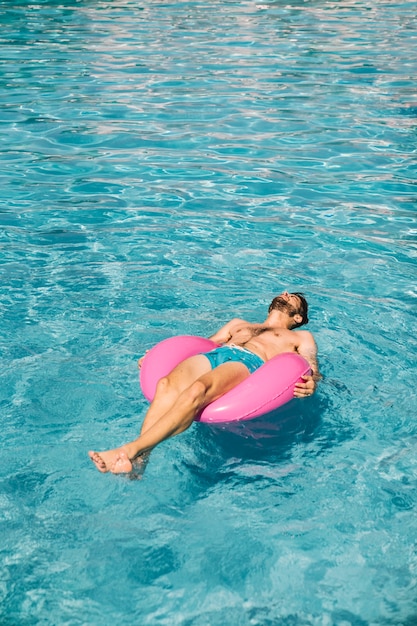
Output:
(163, 385)
(195, 394)
(171, 386)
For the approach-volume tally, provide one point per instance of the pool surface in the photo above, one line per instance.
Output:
(166, 166)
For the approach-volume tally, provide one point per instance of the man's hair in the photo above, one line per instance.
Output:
(302, 309)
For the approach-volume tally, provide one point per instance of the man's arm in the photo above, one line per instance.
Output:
(221, 336)
(226, 332)
(307, 348)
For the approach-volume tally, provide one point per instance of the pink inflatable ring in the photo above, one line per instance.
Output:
(268, 388)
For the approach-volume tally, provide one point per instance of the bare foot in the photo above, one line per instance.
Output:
(138, 467)
(115, 461)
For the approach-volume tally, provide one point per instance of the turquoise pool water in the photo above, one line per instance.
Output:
(164, 167)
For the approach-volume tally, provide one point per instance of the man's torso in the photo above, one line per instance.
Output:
(264, 341)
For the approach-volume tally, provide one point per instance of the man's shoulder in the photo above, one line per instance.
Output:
(304, 336)
(238, 321)
(305, 333)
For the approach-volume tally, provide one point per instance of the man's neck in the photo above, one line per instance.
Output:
(278, 319)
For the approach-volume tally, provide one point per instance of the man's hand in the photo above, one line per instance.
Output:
(140, 361)
(306, 388)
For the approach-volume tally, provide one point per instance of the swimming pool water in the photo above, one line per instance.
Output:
(167, 166)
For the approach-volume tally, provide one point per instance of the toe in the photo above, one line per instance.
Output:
(98, 461)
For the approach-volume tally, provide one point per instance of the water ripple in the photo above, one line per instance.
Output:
(164, 167)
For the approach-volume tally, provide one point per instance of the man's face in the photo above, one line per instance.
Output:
(288, 303)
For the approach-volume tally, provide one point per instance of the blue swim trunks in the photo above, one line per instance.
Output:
(223, 354)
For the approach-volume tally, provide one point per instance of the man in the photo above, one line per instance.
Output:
(203, 378)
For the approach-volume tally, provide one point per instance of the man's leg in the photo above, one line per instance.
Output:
(207, 388)
(169, 388)
(167, 391)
